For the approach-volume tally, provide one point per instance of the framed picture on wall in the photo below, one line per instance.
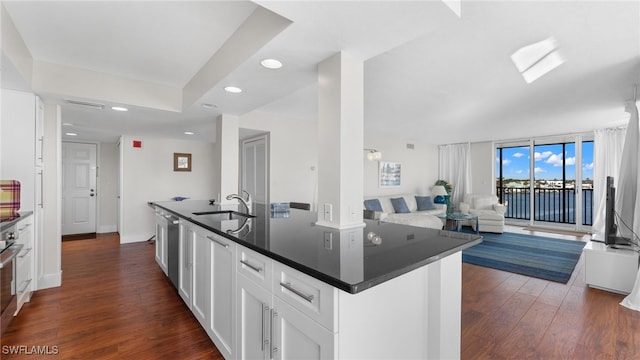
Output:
(389, 174)
(181, 162)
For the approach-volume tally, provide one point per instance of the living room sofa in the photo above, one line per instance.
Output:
(490, 212)
(405, 209)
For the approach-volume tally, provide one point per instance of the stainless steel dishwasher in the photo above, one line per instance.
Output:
(173, 238)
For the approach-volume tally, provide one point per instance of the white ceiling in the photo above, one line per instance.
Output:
(429, 76)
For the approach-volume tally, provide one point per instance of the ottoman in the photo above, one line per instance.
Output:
(490, 222)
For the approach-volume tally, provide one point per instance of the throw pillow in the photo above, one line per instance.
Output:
(399, 205)
(424, 203)
(373, 205)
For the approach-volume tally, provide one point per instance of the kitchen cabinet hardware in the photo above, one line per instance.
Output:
(25, 253)
(288, 286)
(226, 246)
(273, 348)
(265, 312)
(254, 268)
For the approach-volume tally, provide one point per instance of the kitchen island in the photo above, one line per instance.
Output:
(275, 285)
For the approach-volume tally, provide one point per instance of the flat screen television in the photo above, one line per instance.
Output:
(610, 228)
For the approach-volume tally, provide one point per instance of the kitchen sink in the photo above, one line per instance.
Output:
(223, 215)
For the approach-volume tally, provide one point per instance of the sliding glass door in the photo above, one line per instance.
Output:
(547, 181)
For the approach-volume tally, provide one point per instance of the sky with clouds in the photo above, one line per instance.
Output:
(548, 161)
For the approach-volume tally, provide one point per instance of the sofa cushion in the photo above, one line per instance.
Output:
(424, 203)
(399, 205)
(373, 205)
(484, 202)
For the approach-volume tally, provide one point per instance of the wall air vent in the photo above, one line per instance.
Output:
(85, 104)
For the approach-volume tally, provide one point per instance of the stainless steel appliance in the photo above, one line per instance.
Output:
(173, 238)
(8, 252)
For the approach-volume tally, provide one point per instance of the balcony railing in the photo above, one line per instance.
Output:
(551, 205)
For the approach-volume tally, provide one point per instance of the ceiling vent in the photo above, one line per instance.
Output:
(85, 104)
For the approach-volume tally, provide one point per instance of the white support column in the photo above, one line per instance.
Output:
(227, 156)
(340, 141)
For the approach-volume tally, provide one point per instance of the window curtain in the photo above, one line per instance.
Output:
(454, 167)
(607, 154)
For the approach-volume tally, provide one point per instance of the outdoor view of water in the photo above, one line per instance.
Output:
(550, 205)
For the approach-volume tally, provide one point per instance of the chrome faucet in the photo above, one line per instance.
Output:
(246, 203)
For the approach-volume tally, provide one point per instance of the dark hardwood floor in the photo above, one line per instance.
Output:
(116, 303)
(510, 316)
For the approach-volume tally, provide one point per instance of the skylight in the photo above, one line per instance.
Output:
(535, 60)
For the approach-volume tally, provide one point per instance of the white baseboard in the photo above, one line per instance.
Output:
(107, 229)
(125, 239)
(50, 281)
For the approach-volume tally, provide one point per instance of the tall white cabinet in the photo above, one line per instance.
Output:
(21, 152)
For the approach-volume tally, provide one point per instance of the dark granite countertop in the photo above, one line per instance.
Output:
(350, 259)
(8, 221)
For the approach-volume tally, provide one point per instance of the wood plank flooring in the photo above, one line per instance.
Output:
(510, 316)
(116, 303)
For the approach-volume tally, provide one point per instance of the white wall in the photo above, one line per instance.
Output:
(293, 156)
(483, 165)
(419, 166)
(107, 187)
(148, 176)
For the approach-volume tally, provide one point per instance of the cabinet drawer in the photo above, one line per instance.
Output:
(23, 277)
(311, 296)
(255, 267)
(25, 232)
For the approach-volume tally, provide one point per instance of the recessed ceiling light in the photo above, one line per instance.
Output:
(271, 64)
(209, 106)
(233, 89)
(189, 133)
(71, 134)
(119, 108)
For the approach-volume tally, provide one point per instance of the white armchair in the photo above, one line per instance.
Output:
(490, 212)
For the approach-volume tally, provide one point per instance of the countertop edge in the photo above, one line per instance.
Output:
(352, 289)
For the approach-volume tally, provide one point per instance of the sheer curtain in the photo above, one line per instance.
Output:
(455, 168)
(607, 155)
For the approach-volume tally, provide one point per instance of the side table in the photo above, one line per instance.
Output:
(458, 218)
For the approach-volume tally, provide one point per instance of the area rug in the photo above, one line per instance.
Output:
(537, 256)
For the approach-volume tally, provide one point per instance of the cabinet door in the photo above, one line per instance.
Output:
(201, 291)
(24, 263)
(223, 279)
(39, 133)
(161, 242)
(296, 336)
(185, 263)
(253, 318)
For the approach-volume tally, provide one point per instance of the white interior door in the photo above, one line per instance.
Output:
(254, 175)
(79, 188)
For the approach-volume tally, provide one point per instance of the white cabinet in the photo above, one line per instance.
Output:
(187, 234)
(24, 262)
(610, 269)
(194, 284)
(297, 336)
(207, 283)
(281, 319)
(39, 133)
(253, 334)
(201, 286)
(161, 240)
(222, 326)
(254, 307)
(21, 139)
